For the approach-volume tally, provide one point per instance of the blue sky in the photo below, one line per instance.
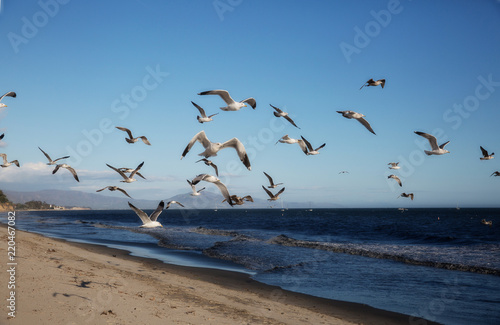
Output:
(81, 68)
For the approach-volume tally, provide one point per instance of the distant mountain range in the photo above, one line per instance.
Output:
(207, 200)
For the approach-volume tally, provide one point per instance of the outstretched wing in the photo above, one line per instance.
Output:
(268, 192)
(280, 191)
(136, 170)
(224, 94)
(122, 174)
(276, 109)
(201, 110)
(201, 137)
(157, 212)
(144, 217)
(485, 153)
(126, 130)
(270, 179)
(291, 121)
(240, 149)
(123, 191)
(250, 101)
(366, 124)
(309, 147)
(431, 138)
(9, 94)
(50, 159)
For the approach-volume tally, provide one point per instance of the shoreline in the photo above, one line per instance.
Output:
(69, 282)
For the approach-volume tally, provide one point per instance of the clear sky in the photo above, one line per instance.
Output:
(82, 67)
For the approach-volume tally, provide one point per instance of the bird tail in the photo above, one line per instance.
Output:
(428, 153)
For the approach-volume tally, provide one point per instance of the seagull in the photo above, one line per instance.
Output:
(114, 188)
(7, 164)
(240, 200)
(372, 82)
(51, 162)
(204, 117)
(68, 167)
(287, 139)
(9, 94)
(129, 170)
(193, 188)
(149, 221)
(394, 165)
(231, 104)
(344, 172)
(173, 202)
(410, 195)
(488, 223)
(131, 139)
(357, 116)
(271, 182)
(497, 173)
(436, 150)
(211, 164)
(127, 179)
(217, 182)
(307, 148)
(486, 156)
(211, 148)
(271, 195)
(396, 178)
(280, 113)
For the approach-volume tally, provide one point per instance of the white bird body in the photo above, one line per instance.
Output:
(436, 150)
(8, 163)
(211, 148)
(151, 220)
(204, 118)
(358, 117)
(394, 165)
(287, 139)
(51, 162)
(307, 147)
(486, 156)
(130, 178)
(232, 105)
(131, 139)
(217, 182)
(193, 189)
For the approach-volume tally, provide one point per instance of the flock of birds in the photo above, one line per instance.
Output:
(212, 148)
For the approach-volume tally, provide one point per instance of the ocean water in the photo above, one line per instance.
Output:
(439, 264)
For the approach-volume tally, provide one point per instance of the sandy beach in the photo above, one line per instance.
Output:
(59, 282)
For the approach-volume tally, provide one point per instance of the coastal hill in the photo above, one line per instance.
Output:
(207, 200)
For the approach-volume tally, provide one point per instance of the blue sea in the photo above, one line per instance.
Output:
(439, 264)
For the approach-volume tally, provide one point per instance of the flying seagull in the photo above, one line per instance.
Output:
(130, 170)
(231, 104)
(131, 138)
(211, 164)
(307, 148)
(169, 203)
(287, 139)
(436, 150)
(7, 164)
(211, 148)
(149, 221)
(127, 179)
(271, 181)
(486, 156)
(372, 82)
(114, 188)
(204, 117)
(410, 195)
(344, 172)
(51, 162)
(280, 113)
(68, 167)
(396, 178)
(497, 173)
(217, 182)
(193, 188)
(9, 94)
(488, 223)
(357, 116)
(273, 197)
(240, 200)
(394, 165)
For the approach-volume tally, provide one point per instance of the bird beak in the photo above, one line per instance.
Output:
(245, 105)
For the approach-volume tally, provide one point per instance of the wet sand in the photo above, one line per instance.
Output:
(60, 282)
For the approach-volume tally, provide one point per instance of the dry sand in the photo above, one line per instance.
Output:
(59, 282)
